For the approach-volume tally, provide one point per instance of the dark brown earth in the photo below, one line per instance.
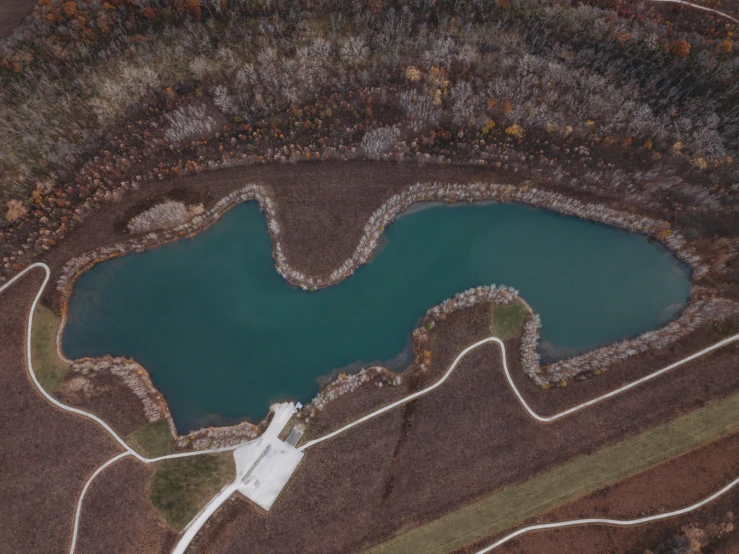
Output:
(117, 516)
(46, 455)
(687, 384)
(322, 206)
(728, 7)
(456, 445)
(679, 17)
(422, 461)
(12, 13)
(671, 485)
(109, 398)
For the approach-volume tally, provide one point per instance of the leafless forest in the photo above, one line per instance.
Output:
(626, 103)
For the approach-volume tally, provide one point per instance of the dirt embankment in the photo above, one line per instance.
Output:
(668, 486)
(107, 396)
(449, 448)
(322, 209)
(46, 455)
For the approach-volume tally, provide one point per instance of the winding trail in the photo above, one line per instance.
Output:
(77, 411)
(128, 451)
(532, 413)
(617, 522)
(84, 491)
(201, 517)
(185, 540)
(698, 6)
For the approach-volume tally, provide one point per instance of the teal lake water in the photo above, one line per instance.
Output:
(224, 336)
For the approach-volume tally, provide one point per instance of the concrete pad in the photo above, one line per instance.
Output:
(265, 465)
(264, 483)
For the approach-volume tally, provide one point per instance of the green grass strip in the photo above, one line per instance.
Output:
(508, 507)
(507, 319)
(50, 369)
(180, 487)
(152, 440)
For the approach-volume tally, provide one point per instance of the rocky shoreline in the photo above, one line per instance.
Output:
(701, 308)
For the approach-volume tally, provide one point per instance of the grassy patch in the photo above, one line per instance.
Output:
(49, 368)
(152, 440)
(506, 508)
(506, 320)
(180, 487)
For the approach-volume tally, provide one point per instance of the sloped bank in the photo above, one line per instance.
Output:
(702, 307)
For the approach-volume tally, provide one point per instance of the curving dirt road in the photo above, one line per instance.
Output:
(128, 451)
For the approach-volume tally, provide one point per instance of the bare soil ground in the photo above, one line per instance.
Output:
(677, 17)
(419, 462)
(45, 454)
(117, 516)
(323, 206)
(728, 7)
(108, 397)
(447, 449)
(104, 394)
(12, 13)
(668, 486)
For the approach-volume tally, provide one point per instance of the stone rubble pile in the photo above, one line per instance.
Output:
(219, 437)
(135, 377)
(492, 294)
(345, 384)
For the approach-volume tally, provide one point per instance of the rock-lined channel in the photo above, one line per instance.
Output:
(224, 335)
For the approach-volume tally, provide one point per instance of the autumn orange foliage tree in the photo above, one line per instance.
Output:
(69, 9)
(725, 46)
(680, 48)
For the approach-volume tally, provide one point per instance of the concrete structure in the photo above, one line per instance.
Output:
(264, 465)
(263, 468)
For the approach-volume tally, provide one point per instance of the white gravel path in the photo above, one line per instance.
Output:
(127, 450)
(227, 491)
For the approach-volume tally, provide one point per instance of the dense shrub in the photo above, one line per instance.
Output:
(163, 216)
(189, 122)
(380, 140)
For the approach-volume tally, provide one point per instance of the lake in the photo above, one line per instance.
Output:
(224, 336)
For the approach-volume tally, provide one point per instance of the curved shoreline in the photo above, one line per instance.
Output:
(697, 312)
(129, 451)
(72, 409)
(196, 524)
